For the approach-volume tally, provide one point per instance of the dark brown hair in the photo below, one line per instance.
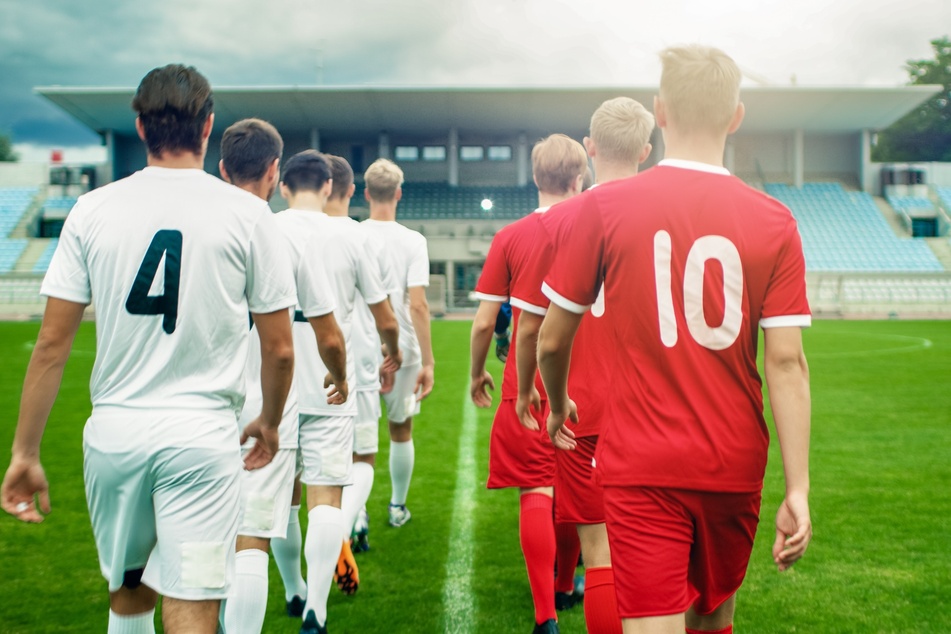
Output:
(173, 102)
(247, 149)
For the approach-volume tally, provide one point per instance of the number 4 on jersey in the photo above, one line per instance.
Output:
(167, 242)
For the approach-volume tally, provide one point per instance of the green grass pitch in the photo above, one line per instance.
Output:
(881, 503)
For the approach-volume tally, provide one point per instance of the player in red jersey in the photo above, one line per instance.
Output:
(692, 262)
(620, 131)
(519, 457)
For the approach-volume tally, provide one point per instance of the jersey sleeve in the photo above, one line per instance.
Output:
(314, 288)
(68, 276)
(418, 273)
(494, 284)
(368, 279)
(270, 274)
(527, 292)
(786, 303)
(576, 274)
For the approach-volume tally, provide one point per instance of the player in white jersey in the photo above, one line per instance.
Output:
(250, 158)
(173, 259)
(336, 247)
(409, 260)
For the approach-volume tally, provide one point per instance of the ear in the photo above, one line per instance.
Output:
(224, 172)
(285, 192)
(139, 128)
(737, 118)
(327, 188)
(206, 129)
(660, 113)
(399, 194)
(645, 153)
(578, 186)
(590, 147)
(273, 171)
(350, 192)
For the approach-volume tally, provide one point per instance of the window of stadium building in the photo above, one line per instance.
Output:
(434, 153)
(500, 153)
(471, 152)
(407, 153)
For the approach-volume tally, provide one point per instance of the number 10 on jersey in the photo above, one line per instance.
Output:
(168, 243)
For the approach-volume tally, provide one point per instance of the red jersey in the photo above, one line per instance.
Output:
(586, 376)
(692, 261)
(503, 274)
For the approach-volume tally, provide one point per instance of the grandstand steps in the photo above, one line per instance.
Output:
(942, 250)
(26, 228)
(892, 218)
(30, 256)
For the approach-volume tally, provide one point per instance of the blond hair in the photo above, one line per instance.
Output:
(700, 88)
(557, 162)
(382, 179)
(620, 128)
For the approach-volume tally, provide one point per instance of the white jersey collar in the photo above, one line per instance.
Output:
(694, 165)
(542, 210)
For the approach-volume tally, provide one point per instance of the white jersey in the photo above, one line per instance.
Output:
(409, 261)
(366, 338)
(296, 226)
(339, 249)
(173, 260)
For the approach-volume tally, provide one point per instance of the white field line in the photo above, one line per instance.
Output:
(457, 598)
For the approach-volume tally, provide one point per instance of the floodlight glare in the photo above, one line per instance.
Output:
(486, 204)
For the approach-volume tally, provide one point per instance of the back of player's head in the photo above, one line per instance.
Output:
(699, 87)
(306, 171)
(557, 162)
(383, 178)
(173, 103)
(342, 175)
(248, 148)
(620, 128)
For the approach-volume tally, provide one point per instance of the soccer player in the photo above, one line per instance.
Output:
(336, 247)
(692, 262)
(250, 158)
(519, 457)
(620, 131)
(409, 261)
(173, 259)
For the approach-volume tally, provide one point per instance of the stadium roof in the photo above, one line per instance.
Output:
(353, 110)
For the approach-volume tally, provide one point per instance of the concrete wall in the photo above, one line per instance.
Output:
(24, 174)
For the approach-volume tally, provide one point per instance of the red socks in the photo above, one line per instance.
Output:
(727, 630)
(567, 549)
(600, 602)
(537, 535)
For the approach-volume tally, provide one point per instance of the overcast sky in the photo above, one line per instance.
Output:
(439, 42)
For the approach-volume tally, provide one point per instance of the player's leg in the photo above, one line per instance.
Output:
(191, 617)
(401, 406)
(600, 602)
(366, 442)
(536, 529)
(720, 621)
(288, 550)
(567, 549)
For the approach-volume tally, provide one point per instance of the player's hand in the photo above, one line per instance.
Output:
(24, 481)
(424, 382)
(337, 391)
(523, 408)
(391, 363)
(793, 530)
(387, 381)
(267, 442)
(479, 387)
(561, 436)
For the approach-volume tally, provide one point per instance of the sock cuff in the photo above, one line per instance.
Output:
(726, 630)
(325, 514)
(401, 447)
(599, 576)
(532, 501)
(294, 516)
(250, 554)
(141, 623)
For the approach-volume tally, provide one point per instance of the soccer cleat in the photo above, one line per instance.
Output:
(566, 601)
(360, 540)
(399, 515)
(346, 575)
(548, 627)
(295, 607)
(310, 625)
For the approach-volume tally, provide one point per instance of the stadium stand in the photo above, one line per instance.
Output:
(844, 231)
(439, 201)
(43, 262)
(60, 204)
(10, 251)
(14, 202)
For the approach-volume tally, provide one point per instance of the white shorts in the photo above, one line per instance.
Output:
(266, 496)
(402, 402)
(163, 490)
(366, 429)
(326, 447)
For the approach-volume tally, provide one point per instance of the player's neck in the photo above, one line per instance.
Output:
(337, 207)
(547, 200)
(258, 188)
(383, 212)
(307, 201)
(694, 147)
(177, 160)
(607, 171)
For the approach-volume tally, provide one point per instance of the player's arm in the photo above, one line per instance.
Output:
(483, 325)
(555, 338)
(787, 378)
(277, 370)
(389, 331)
(332, 348)
(526, 348)
(419, 312)
(44, 374)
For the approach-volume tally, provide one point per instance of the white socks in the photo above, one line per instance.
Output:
(133, 624)
(322, 549)
(356, 495)
(402, 457)
(247, 601)
(287, 557)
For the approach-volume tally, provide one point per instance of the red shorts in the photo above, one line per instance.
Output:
(519, 457)
(673, 549)
(578, 500)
